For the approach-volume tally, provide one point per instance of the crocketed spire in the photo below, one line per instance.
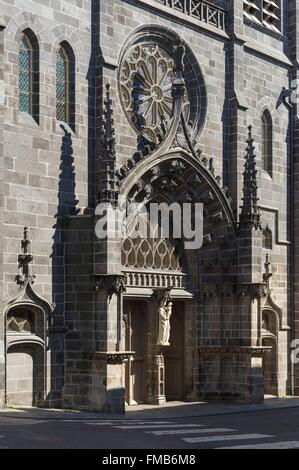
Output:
(250, 212)
(107, 184)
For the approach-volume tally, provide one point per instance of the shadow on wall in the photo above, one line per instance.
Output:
(67, 206)
(65, 233)
(93, 105)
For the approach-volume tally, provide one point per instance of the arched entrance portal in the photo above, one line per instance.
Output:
(156, 266)
(25, 355)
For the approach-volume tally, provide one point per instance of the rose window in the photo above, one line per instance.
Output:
(146, 90)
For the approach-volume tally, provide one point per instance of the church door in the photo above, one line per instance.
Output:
(174, 363)
(136, 320)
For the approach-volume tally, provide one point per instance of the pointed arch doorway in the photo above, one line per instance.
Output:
(140, 331)
(170, 264)
(25, 355)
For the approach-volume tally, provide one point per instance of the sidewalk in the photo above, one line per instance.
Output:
(175, 410)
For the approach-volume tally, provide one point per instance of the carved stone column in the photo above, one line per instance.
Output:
(250, 308)
(159, 397)
(108, 358)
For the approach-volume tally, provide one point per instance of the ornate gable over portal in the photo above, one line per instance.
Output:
(161, 94)
(218, 286)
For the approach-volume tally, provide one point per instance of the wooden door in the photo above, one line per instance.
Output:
(135, 374)
(174, 356)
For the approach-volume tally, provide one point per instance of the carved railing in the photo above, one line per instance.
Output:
(155, 280)
(200, 10)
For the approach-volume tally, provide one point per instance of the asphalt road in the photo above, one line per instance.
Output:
(278, 429)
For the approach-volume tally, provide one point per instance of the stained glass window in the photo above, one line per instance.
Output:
(62, 86)
(267, 142)
(25, 75)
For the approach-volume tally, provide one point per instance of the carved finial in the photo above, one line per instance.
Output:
(25, 242)
(267, 275)
(107, 182)
(250, 132)
(24, 259)
(250, 215)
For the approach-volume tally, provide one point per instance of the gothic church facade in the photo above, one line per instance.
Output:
(164, 101)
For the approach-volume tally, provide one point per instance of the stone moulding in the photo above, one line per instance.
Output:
(247, 350)
(155, 279)
(253, 291)
(111, 357)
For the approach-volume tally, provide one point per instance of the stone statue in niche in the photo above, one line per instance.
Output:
(165, 312)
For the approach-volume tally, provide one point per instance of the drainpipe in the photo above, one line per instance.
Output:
(286, 99)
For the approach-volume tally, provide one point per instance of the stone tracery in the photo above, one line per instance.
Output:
(146, 90)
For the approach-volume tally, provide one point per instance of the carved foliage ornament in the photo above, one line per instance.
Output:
(254, 291)
(112, 284)
(146, 82)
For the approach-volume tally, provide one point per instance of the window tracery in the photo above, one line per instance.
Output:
(146, 90)
(20, 321)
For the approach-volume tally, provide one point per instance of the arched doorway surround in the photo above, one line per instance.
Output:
(220, 303)
(177, 177)
(172, 171)
(27, 318)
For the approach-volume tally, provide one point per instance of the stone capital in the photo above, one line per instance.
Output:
(113, 284)
(254, 291)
